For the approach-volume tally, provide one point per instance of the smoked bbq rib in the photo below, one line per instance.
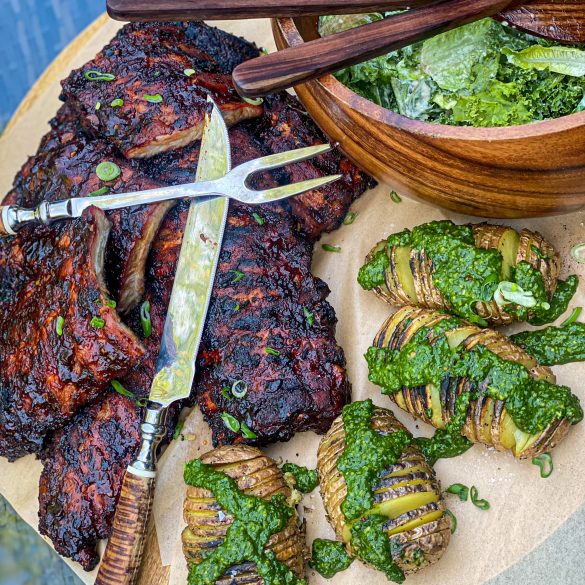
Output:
(60, 341)
(265, 297)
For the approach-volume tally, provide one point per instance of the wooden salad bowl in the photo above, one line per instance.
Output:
(522, 171)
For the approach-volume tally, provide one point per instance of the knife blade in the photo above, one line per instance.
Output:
(175, 367)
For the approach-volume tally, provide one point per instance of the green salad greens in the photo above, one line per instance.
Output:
(482, 74)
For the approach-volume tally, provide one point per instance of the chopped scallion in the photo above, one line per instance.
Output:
(308, 316)
(189, 72)
(145, 319)
(459, 490)
(117, 386)
(481, 504)
(238, 276)
(178, 429)
(453, 520)
(97, 322)
(142, 401)
(271, 351)
(259, 219)
(237, 307)
(110, 303)
(247, 432)
(572, 317)
(350, 218)
(239, 388)
(395, 197)
(98, 105)
(232, 423)
(59, 325)
(102, 191)
(545, 462)
(117, 103)
(253, 101)
(94, 75)
(225, 392)
(153, 99)
(107, 171)
(330, 248)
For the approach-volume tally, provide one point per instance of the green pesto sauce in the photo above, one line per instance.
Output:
(306, 480)
(428, 359)
(329, 557)
(466, 274)
(256, 520)
(553, 346)
(367, 453)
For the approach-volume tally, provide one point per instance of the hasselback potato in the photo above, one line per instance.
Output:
(407, 495)
(488, 420)
(409, 273)
(207, 524)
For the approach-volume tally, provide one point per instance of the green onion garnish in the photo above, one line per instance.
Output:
(264, 51)
(59, 325)
(107, 171)
(253, 101)
(178, 429)
(145, 319)
(238, 276)
(481, 504)
(111, 303)
(459, 490)
(225, 391)
(239, 388)
(545, 462)
(153, 99)
(237, 307)
(97, 322)
(578, 253)
(308, 316)
(259, 219)
(120, 389)
(142, 401)
(271, 351)
(329, 248)
(102, 191)
(232, 423)
(98, 105)
(247, 432)
(453, 520)
(350, 218)
(94, 75)
(189, 72)
(395, 197)
(572, 317)
(117, 103)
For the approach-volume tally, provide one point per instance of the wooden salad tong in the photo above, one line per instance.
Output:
(561, 20)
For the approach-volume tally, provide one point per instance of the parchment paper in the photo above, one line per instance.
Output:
(525, 509)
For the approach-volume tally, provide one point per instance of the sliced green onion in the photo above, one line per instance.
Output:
(578, 253)
(107, 171)
(308, 316)
(110, 303)
(232, 423)
(572, 317)
(259, 219)
(117, 103)
(97, 322)
(153, 99)
(117, 386)
(145, 319)
(545, 462)
(98, 105)
(459, 490)
(481, 504)
(102, 191)
(247, 432)
(253, 101)
(225, 392)
(395, 197)
(509, 292)
(178, 429)
(271, 351)
(59, 325)
(350, 218)
(237, 307)
(142, 401)
(94, 75)
(329, 248)
(189, 72)
(239, 388)
(238, 276)
(453, 521)
(264, 51)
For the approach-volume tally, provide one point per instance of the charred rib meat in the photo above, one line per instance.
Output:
(158, 81)
(83, 467)
(60, 341)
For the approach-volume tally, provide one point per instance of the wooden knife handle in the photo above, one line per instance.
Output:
(237, 9)
(313, 59)
(124, 550)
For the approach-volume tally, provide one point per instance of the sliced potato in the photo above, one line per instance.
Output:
(408, 494)
(258, 475)
(487, 421)
(409, 278)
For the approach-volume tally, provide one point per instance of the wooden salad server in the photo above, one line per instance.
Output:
(283, 69)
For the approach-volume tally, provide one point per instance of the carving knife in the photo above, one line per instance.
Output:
(175, 367)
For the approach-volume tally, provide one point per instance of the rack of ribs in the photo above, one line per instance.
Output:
(269, 323)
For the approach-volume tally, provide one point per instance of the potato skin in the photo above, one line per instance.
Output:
(258, 475)
(487, 236)
(419, 546)
(487, 417)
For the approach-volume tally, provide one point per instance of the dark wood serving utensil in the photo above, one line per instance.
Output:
(564, 21)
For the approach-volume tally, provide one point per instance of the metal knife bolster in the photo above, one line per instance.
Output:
(14, 217)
